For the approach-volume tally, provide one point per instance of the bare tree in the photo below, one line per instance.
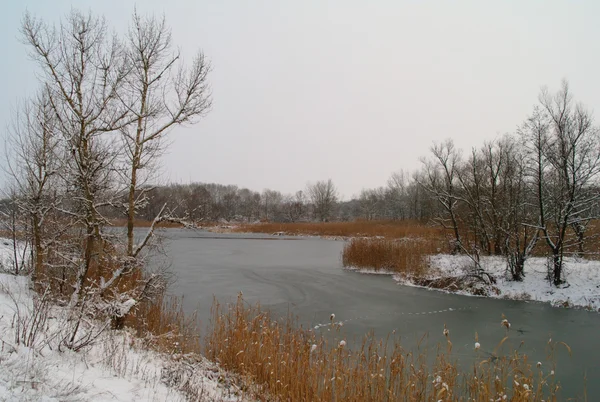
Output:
(519, 222)
(161, 93)
(271, 202)
(440, 178)
(323, 196)
(83, 72)
(370, 202)
(472, 180)
(398, 185)
(293, 206)
(565, 164)
(34, 163)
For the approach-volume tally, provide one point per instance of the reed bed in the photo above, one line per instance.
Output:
(294, 364)
(359, 228)
(406, 256)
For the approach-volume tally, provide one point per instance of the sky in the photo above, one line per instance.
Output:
(348, 90)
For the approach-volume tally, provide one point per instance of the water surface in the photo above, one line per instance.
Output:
(304, 276)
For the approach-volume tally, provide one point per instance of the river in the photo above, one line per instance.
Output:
(304, 276)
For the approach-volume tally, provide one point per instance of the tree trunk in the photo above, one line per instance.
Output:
(557, 265)
(38, 249)
(131, 211)
(579, 230)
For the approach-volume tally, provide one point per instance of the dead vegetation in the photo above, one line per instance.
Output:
(358, 228)
(295, 364)
(406, 256)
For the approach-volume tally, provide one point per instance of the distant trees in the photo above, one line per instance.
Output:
(324, 196)
(294, 207)
(271, 204)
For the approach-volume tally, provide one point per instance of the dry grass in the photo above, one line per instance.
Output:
(359, 228)
(143, 223)
(165, 327)
(294, 364)
(407, 256)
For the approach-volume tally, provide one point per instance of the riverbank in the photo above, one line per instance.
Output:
(338, 230)
(449, 274)
(116, 365)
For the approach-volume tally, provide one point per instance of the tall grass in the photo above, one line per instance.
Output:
(407, 256)
(294, 364)
(359, 228)
(165, 327)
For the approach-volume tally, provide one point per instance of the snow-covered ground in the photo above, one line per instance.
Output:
(582, 287)
(115, 368)
(7, 254)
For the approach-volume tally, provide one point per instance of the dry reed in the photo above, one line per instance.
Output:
(407, 256)
(359, 228)
(295, 364)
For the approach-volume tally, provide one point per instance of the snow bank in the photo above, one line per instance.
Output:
(115, 368)
(582, 287)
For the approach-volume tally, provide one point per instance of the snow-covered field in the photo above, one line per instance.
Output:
(582, 287)
(115, 368)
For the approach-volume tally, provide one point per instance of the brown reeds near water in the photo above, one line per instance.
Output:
(295, 364)
(165, 327)
(406, 255)
(359, 228)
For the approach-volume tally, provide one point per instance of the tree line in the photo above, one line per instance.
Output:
(320, 201)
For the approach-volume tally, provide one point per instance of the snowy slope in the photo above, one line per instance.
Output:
(115, 368)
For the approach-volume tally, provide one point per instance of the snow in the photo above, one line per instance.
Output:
(115, 368)
(7, 254)
(582, 287)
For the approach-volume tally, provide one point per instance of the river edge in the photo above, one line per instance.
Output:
(447, 274)
(118, 365)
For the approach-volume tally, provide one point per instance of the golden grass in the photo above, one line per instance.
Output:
(295, 364)
(359, 228)
(406, 255)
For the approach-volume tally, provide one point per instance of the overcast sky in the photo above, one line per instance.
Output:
(347, 90)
